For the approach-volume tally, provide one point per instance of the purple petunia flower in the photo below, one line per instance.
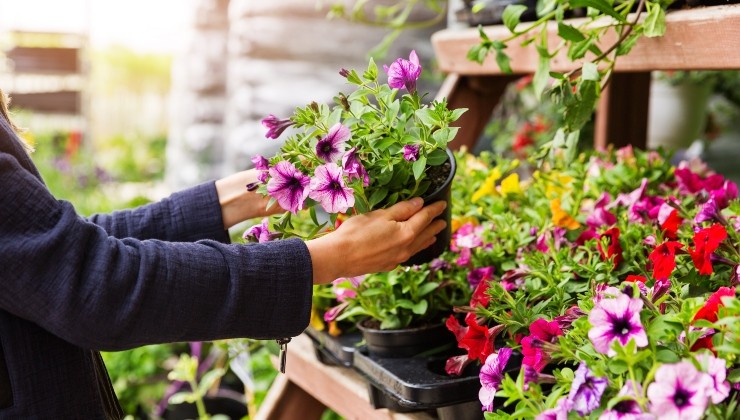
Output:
(560, 412)
(616, 319)
(411, 152)
(679, 392)
(331, 147)
(258, 233)
(476, 275)
(627, 408)
(601, 216)
(491, 375)
(328, 188)
(288, 186)
(275, 126)
(262, 165)
(404, 73)
(586, 390)
(717, 370)
(353, 167)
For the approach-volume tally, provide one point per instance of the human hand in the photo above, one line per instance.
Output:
(375, 241)
(239, 204)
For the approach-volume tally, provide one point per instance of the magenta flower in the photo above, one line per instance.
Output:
(353, 167)
(618, 320)
(724, 194)
(411, 152)
(716, 368)
(262, 165)
(275, 126)
(258, 233)
(601, 216)
(331, 147)
(477, 275)
(586, 390)
(541, 333)
(628, 408)
(709, 212)
(491, 375)
(288, 186)
(404, 73)
(679, 392)
(328, 188)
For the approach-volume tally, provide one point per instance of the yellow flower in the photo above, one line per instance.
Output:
(489, 185)
(561, 218)
(316, 321)
(510, 185)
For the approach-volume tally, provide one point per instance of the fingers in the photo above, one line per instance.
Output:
(421, 219)
(428, 236)
(402, 211)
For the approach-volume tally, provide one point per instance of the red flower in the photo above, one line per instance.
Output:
(663, 258)
(706, 241)
(710, 309)
(480, 297)
(540, 331)
(613, 249)
(671, 224)
(709, 312)
(635, 278)
(476, 339)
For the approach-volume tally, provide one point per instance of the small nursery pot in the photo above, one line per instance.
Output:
(443, 192)
(407, 342)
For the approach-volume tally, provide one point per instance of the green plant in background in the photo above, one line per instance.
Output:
(575, 92)
(186, 370)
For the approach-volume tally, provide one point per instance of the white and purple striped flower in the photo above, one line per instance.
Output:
(288, 185)
(491, 375)
(353, 168)
(616, 319)
(275, 126)
(586, 390)
(262, 165)
(679, 392)
(717, 370)
(331, 147)
(328, 188)
(258, 233)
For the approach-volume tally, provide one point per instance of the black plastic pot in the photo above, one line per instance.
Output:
(443, 238)
(334, 351)
(226, 402)
(421, 384)
(407, 342)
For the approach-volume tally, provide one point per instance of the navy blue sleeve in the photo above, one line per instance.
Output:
(185, 216)
(74, 279)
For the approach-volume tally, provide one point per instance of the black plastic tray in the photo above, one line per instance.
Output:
(338, 351)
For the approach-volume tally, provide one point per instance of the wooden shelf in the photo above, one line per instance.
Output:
(696, 39)
(706, 38)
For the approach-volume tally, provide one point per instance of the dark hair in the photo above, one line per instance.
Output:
(5, 113)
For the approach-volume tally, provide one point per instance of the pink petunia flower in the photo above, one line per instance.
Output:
(331, 147)
(275, 126)
(404, 73)
(327, 187)
(616, 319)
(288, 186)
(679, 392)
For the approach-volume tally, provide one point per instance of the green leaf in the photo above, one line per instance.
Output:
(569, 33)
(437, 157)
(601, 5)
(589, 71)
(312, 212)
(371, 74)
(444, 136)
(420, 308)
(578, 112)
(655, 21)
(512, 15)
(378, 196)
(733, 376)
(427, 288)
(456, 114)
(540, 79)
(384, 143)
(419, 166)
(502, 60)
(428, 117)
(182, 397)
(667, 356)
(209, 379)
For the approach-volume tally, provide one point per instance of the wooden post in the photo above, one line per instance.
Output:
(622, 112)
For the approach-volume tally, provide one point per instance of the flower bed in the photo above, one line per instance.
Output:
(614, 276)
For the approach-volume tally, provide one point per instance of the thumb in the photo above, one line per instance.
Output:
(402, 211)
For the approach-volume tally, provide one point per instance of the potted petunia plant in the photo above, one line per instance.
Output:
(623, 300)
(375, 146)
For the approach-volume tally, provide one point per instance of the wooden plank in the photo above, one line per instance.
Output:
(622, 113)
(339, 388)
(61, 102)
(479, 94)
(696, 39)
(287, 401)
(44, 60)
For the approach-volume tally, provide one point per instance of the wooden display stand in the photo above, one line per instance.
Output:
(308, 387)
(706, 38)
(695, 39)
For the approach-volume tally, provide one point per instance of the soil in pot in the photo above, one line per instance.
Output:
(440, 177)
